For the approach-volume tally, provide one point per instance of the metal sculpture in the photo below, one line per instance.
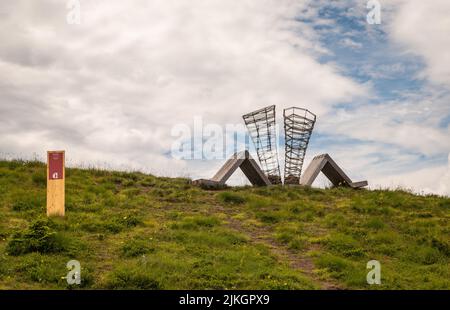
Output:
(261, 126)
(298, 127)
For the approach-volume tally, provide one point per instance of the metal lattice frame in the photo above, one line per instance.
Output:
(261, 126)
(298, 127)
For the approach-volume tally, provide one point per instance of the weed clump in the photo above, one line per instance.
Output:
(332, 263)
(29, 202)
(132, 278)
(112, 225)
(344, 245)
(39, 237)
(441, 245)
(231, 198)
(39, 179)
(136, 247)
(268, 217)
(375, 223)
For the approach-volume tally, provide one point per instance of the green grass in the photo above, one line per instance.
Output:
(39, 237)
(138, 231)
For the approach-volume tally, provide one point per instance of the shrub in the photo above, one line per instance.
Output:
(39, 179)
(132, 278)
(344, 244)
(3, 267)
(298, 243)
(332, 263)
(39, 237)
(441, 245)
(231, 198)
(28, 201)
(335, 220)
(369, 206)
(268, 217)
(290, 234)
(136, 247)
(129, 221)
(148, 182)
(131, 192)
(38, 268)
(375, 223)
(113, 225)
(423, 255)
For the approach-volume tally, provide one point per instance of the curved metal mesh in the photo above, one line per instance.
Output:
(298, 127)
(261, 126)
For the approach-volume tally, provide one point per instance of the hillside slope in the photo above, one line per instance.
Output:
(131, 230)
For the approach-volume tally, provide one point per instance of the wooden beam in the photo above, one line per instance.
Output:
(55, 183)
(325, 164)
(241, 160)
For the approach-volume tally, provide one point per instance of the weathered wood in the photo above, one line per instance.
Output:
(241, 160)
(55, 186)
(325, 164)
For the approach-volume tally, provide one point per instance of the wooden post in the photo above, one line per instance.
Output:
(55, 183)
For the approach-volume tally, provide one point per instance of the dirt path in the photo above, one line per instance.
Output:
(298, 260)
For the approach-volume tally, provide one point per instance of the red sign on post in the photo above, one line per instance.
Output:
(55, 183)
(55, 165)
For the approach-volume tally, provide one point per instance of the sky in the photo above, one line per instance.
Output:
(111, 89)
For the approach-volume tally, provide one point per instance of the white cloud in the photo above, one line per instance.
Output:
(430, 180)
(347, 42)
(114, 85)
(109, 90)
(444, 181)
(422, 27)
(412, 125)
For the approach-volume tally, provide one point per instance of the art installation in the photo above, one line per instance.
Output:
(298, 126)
(325, 164)
(261, 126)
(241, 160)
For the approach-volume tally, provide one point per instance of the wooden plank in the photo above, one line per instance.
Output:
(359, 184)
(325, 164)
(313, 170)
(55, 183)
(241, 160)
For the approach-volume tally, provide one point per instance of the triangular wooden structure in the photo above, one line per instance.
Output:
(331, 170)
(241, 160)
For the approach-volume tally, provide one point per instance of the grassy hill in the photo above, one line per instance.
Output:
(132, 231)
